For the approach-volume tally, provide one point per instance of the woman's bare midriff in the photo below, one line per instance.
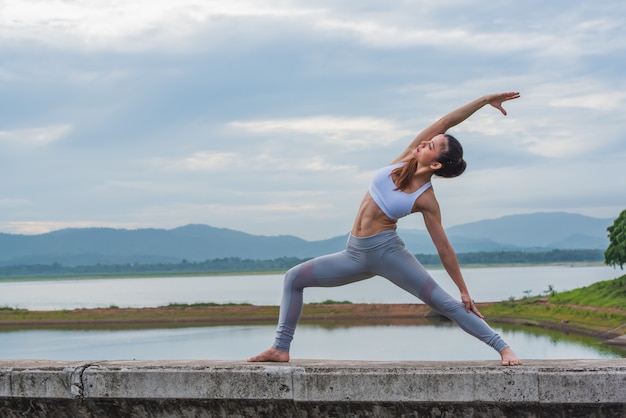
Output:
(370, 220)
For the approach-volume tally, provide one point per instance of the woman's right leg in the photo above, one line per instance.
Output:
(327, 271)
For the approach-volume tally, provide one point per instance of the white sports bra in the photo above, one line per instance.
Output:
(394, 203)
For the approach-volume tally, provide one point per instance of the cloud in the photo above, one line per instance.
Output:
(343, 132)
(382, 34)
(36, 228)
(213, 161)
(598, 101)
(177, 26)
(35, 136)
(236, 166)
(128, 24)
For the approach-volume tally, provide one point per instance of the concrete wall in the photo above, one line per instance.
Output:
(312, 388)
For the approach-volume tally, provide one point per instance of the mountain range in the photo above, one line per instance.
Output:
(89, 246)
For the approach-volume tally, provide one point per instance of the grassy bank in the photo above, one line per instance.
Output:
(598, 309)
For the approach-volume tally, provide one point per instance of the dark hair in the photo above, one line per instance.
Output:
(452, 161)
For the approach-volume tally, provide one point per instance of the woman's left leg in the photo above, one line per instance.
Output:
(401, 267)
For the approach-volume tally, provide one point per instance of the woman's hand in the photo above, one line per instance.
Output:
(496, 100)
(469, 305)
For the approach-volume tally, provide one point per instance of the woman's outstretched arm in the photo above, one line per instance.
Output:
(457, 116)
(432, 219)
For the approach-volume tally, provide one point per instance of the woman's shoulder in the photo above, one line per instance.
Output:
(427, 201)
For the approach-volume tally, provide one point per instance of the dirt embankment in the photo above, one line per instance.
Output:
(225, 314)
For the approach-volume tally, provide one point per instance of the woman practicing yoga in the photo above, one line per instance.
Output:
(374, 248)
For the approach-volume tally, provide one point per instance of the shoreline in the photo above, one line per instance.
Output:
(11, 279)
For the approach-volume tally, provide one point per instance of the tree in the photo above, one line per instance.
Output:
(616, 252)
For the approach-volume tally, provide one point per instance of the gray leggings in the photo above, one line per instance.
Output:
(383, 254)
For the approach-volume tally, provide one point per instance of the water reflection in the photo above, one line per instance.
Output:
(553, 339)
(427, 339)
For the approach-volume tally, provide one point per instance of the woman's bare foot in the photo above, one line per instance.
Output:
(509, 358)
(271, 354)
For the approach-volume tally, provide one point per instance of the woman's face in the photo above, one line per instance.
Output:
(427, 152)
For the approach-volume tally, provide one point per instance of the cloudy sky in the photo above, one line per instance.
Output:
(271, 117)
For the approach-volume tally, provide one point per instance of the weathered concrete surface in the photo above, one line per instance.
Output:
(312, 388)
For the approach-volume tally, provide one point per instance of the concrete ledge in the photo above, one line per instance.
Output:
(312, 388)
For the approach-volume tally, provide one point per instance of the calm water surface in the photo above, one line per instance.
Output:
(485, 284)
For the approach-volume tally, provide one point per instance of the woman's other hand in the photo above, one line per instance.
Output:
(470, 306)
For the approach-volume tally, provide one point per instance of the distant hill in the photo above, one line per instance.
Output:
(88, 246)
(548, 230)
(531, 232)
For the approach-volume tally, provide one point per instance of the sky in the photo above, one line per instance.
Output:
(271, 117)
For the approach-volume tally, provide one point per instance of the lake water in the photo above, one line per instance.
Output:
(431, 341)
(485, 285)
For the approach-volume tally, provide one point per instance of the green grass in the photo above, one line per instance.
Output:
(598, 308)
(203, 304)
(331, 302)
(606, 294)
